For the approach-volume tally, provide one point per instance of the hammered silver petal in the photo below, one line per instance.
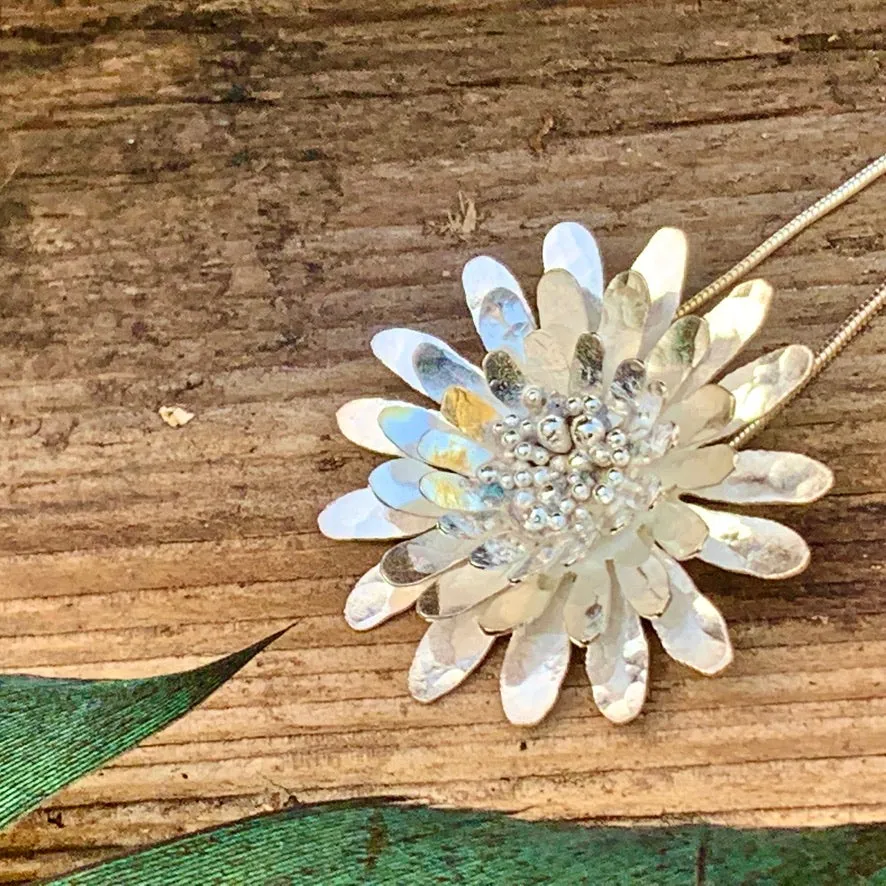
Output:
(629, 379)
(405, 425)
(503, 321)
(547, 360)
(395, 484)
(426, 363)
(458, 590)
(534, 666)
(682, 346)
(374, 600)
(686, 469)
(760, 476)
(449, 651)
(760, 386)
(519, 604)
(500, 550)
(586, 371)
(358, 421)
(360, 515)
(452, 452)
(505, 378)
(662, 264)
(586, 610)
(452, 492)
(732, 324)
(617, 664)
(563, 310)
(691, 629)
(645, 587)
(482, 275)
(702, 416)
(423, 557)
(625, 309)
(678, 528)
(752, 545)
(572, 247)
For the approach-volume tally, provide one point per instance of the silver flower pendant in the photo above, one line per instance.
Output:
(543, 498)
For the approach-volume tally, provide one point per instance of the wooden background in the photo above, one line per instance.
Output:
(216, 204)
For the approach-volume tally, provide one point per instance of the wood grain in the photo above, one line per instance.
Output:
(215, 205)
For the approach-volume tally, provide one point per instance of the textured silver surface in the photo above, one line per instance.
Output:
(678, 528)
(395, 483)
(374, 600)
(503, 321)
(563, 309)
(662, 264)
(682, 346)
(752, 545)
(625, 309)
(359, 514)
(416, 559)
(358, 421)
(571, 246)
(765, 477)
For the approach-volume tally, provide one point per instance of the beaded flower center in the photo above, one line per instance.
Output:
(574, 469)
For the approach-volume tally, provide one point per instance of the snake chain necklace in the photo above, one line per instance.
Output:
(554, 493)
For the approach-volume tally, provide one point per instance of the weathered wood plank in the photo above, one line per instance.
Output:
(217, 206)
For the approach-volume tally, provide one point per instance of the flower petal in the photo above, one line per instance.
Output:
(662, 264)
(460, 589)
(702, 415)
(358, 421)
(503, 321)
(617, 664)
(374, 600)
(572, 247)
(732, 324)
(453, 492)
(625, 309)
(547, 361)
(405, 425)
(586, 371)
(483, 275)
(760, 386)
(563, 309)
(752, 545)
(682, 346)
(423, 557)
(763, 477)
(395, 484)
(691, 629)
(505, 378)
(452, 452)
(498, 551)
(450, 650)
(586, 611)
(426, 363)
(468, 411)
(534, 666)
(519, 604)
(678, 528)
(684, 469)
(359, 514)
(645, 587)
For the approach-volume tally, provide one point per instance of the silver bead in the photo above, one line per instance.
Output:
(557, 522)
(614, 477)
(487, 474)
(658, 388)
(537, 520)
(616, 438)
(574, 406)
(592, 405)
(523, 479)
(578, 461)
(511, 420)
(621, 457)
(533, 397)
(602, 458)
(582, 515)
(510, 438)
(604, 494)
(550, 426)
(498, 427)
(523, 450)
(581, 492)
(527, 428)
(587, 431)
(566, 506)
(541, 476)
(506, 481)
(548, 494)
(540, 455)
(523, 499)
